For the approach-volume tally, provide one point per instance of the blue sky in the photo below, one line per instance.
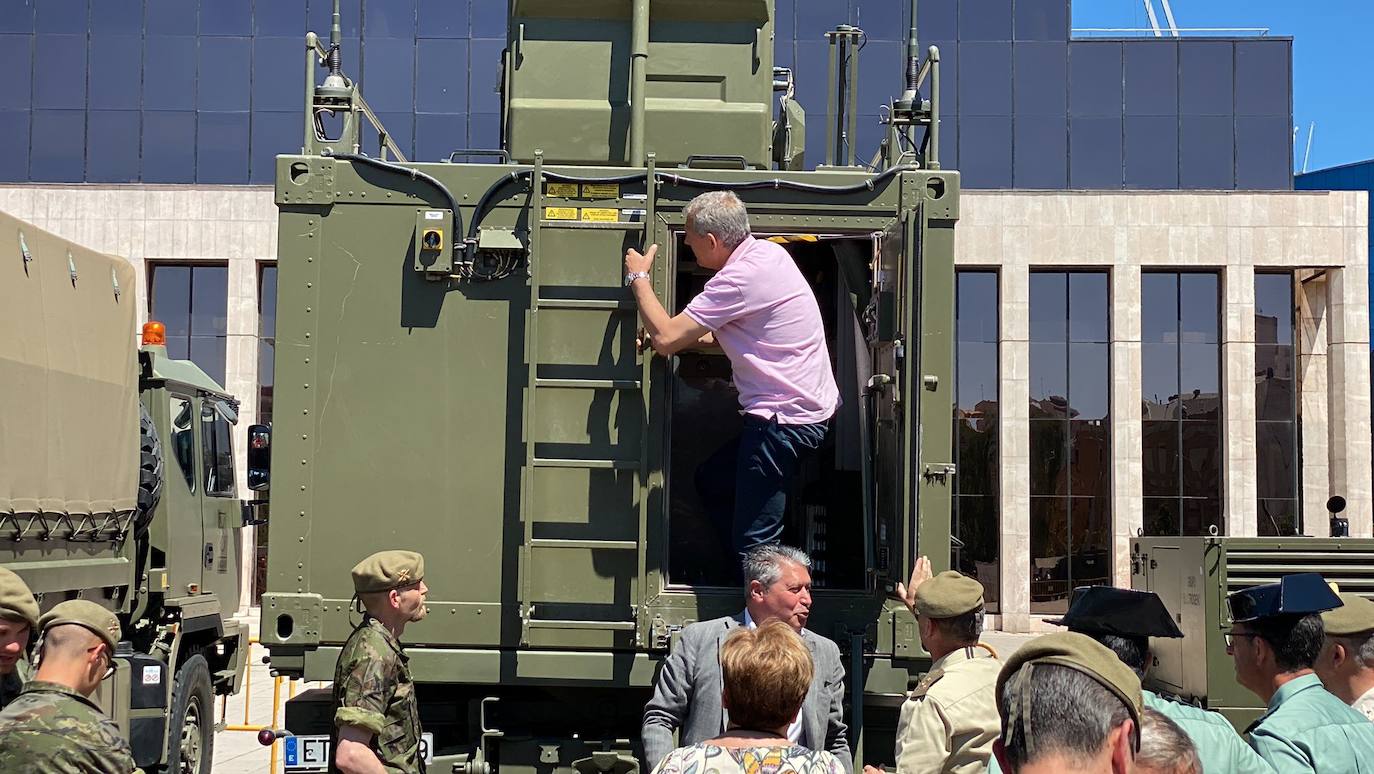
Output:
(1333, 60)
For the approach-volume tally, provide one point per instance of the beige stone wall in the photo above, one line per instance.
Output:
(1321, 235)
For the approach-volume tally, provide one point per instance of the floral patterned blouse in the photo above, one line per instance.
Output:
(706, 758)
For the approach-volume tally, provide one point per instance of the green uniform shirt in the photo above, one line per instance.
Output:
(373, 691)
(12, 684)
(1218, 745)
(1307, 729)
(52, 729)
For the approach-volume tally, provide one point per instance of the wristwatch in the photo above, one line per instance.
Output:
(634, 275)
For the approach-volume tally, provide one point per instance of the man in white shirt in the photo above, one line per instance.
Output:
(1346, 663)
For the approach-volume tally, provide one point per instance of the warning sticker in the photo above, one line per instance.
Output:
(566, 190)
(560, 213)
(601, 190)
(600, 215)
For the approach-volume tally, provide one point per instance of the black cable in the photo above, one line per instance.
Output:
(413, 174)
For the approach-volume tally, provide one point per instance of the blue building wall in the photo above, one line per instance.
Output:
(208, 91)
(1358, 176)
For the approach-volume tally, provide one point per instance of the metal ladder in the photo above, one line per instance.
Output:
(605, 305)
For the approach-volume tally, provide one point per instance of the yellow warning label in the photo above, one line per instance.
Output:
(600, 215)
(566, 190)
(560, 213)
(601, 190)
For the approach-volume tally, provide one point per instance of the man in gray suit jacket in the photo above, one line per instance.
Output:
(687, 689)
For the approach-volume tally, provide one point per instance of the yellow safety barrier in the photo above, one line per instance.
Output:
(247, 704)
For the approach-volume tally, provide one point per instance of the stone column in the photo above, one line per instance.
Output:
(1014, 444)
(1313, 399)
(1127, 465)
(1238, 400)
(1348, 378)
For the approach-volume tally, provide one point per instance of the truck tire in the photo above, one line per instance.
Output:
(149, 468)
(191, 726)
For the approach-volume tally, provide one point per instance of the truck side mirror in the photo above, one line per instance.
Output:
(259, 456)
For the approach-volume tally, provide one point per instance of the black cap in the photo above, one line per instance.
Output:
(1123, 612)
(1298, 594)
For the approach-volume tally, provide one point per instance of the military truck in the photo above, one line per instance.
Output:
(117, 486)
(458, 373)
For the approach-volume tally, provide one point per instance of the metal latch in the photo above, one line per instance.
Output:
(938, 471)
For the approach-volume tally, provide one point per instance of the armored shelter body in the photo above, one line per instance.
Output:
(458, 373)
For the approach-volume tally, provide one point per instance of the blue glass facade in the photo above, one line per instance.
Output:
(180, 91)
(1358, 176)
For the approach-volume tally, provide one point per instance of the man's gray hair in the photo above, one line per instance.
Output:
(1360, 647)
(764, 563)
(1164, 747)
(720, 213)
(1069, 713)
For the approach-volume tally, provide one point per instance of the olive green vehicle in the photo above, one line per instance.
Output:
(117, 486)
(458, 373)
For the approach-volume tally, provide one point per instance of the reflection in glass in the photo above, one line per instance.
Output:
(1276, 459)
(209, 300)
(1090, 464)
(1278, 518)
(169, 298)
(1159, 453)
(1200, 515)
(1277, 431)
(1159, 307)
(1273, 308)
(1049, 306)
(1198, 308)
(1088, 298)
(974, 520)
(192, 301)
(1049, 453)
(977, 380)
(977, 306)
(1049, 565)
(1200, 452)
(976, 527)
(1274, 383)
(267, 340)
(1049, 380)
(1161, 516)
(1089, 375)
(1159, 380)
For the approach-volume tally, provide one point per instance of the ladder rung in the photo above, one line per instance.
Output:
(617, 225)
(620, 626)
(565, 462)
(609, 304)
(591, 384)
(609, 545)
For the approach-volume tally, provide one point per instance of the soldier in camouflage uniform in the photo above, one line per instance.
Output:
(54, 727)
(376, 716)
(18, 620)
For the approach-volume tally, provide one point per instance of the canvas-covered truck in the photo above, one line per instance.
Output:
(458, 373)
(117, 486)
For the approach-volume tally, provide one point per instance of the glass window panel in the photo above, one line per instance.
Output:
(882, 63)
(1159, 307)
(59, 71)
(1049, 388)
(1159, 455)
(485, 72)
(177, 17)
(392, 19)
(1049, 544)
(168, 83)
(227, 17)
(985, 144)
(57, 153)
(272, 56)
(1205, 77)
(272, 133)
(173, 133)
(183, 439)
(436, 61)
(1090, 456)
(1276, 459)
(1088, 306)
(979, 531)
(1262, 152)
(1205, 152)
(280, 17)
(1200, 515)
(112, 150)
(977, 463)
(988, 20)
(1279, 518)
(1095, 79)
(1041, 70)
(1200, 381)
(977, 306)
(1089, 377)
(1273, 308)
(1049, 306)
(231, 61)
(1151, 78)
(1274, 395)
(390, 71)
(1200, 454)
(118, 17)
(1262, 78)
(1049, 455)
(1041, 21)
(267, 330)
(1095, 157)
(1041, 158)
(179, 347)
(1161, 516)
(937, 21)
(1151, 151)
(977, 377)
(888, 20)
(222, 147)
(209, 300)
(437, 135)
(208, 352)
(1159, 380)
(116, 84)
(16, 59)
(1090, 525)
(170, 298)
(1198, 304)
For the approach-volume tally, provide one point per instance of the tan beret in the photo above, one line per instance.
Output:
(1075, 651)
(16, 601)
(386, 570)
(1356, 616)
(84, 613)
(948, 594)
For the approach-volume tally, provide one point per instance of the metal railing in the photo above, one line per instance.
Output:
(275, 722)
(1165, 32)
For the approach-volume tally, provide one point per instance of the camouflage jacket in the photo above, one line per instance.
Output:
(373, 691)
(12, 684)
(53, 729)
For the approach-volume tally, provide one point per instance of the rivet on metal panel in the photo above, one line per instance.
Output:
(302, 487)
(307, 310)
(307, 335)
(305, 386)
(303, 462)
(310, 284)
(307, 360)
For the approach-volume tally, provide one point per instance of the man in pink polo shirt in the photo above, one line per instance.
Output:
(760, 310)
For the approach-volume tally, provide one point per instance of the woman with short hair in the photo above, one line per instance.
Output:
(766, 673)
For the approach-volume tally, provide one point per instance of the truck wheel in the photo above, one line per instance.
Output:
(191, 727)
(149, 468)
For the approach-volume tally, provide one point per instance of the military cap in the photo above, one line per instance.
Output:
(948, 594)
(1302, 593)
(1074, 651)
(1122, 612)
(16, 601)
(84, 613)
(1355, 616)
(386, 570)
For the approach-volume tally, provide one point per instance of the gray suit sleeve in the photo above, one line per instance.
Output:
(836, 733)
(667, 708)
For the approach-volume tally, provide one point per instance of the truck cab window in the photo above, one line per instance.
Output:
(217, 452)
(183, 440)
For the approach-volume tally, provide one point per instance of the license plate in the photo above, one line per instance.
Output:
(311, 753)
